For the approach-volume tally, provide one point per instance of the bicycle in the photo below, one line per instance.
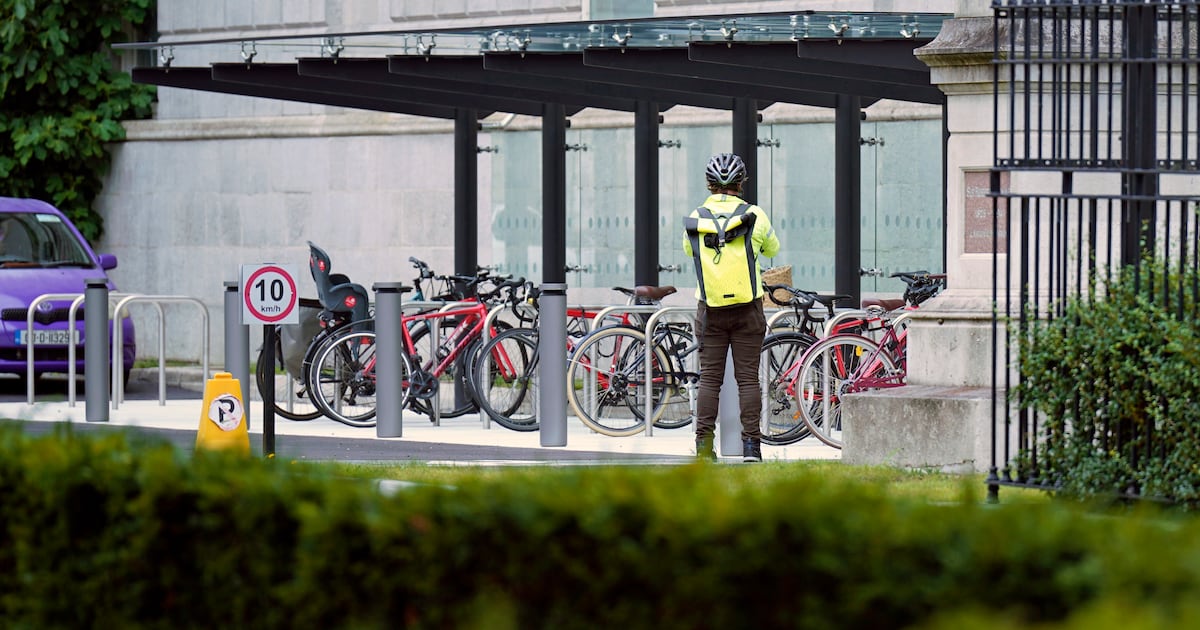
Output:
(339, 302)
(779, 362)
(344, 368)
(846, 363)
(606, 374)
(510, 398)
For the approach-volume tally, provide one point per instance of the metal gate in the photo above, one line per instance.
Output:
(1095, 167)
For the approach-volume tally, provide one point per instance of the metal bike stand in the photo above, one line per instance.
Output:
(435, 406)
(650, 324)
(118, 376)
(486, 335)
(842, 316)
(589, 384)
(71, 352)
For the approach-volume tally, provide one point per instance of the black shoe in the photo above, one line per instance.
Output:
(704, 449)
(751, 450)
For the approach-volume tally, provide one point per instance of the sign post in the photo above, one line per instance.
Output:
(269, 297)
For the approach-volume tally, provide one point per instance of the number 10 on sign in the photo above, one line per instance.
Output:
(269, 294)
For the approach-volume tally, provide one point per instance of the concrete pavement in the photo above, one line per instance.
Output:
(421, 440)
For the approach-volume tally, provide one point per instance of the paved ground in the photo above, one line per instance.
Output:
(457, 440)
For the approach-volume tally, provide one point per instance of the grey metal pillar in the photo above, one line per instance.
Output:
(95, 349)
(552, 366)
(389, 398)
(745, 143)
(729, 413)
(645, 193)
(847, 229)
(552, 319)
(237, 344)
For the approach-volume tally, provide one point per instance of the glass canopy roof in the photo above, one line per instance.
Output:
(675, 32)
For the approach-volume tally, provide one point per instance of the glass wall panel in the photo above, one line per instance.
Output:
(600, 202)
(905, 230)
(683, 189)
(516, 229)
(801, 201)
(901, 200)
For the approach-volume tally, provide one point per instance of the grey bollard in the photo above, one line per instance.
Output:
(389, 346)
(729, 413)
(237, 344)
(96, 354)
(552, 365)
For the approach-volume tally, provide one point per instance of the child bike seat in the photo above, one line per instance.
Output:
(335, 291)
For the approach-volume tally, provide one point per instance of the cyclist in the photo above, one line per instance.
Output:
(725, 236)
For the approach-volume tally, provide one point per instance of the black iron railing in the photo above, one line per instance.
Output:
(1095, 168)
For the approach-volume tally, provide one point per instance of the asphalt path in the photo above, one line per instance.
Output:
(309, 447)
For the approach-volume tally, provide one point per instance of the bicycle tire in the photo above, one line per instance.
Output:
(298, 407)
(829, 367)
(778, 368)
(605, 375)
(344, 377)
(506, 379)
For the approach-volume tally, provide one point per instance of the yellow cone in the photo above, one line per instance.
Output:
(223, 417)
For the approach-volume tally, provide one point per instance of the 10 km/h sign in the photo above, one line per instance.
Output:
(269, 294)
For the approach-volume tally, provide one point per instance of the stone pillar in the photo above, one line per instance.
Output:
(943, 417)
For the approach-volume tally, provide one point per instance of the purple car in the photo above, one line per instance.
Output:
(41, 253)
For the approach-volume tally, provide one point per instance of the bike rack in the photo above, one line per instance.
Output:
(118, 376)
(71, 351)
(650, 324)
(592, 327)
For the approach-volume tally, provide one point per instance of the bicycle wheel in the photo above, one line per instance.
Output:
(778, 369)
(291, 396)
(606, 382)
(506, 379)
(343, 377)
(831, 368)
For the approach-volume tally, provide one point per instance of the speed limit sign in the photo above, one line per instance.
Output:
(269, 294)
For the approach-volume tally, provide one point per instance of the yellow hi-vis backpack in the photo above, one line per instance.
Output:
(723, 252)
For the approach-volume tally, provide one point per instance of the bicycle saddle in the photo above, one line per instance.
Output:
(335, 291)
(887, 304)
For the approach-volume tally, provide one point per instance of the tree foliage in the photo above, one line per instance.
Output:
(64, 98)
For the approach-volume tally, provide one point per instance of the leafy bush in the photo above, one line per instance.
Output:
(64, 99)
(1115, 381)
(106, 533)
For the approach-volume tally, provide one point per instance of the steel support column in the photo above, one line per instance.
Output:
(552, 323)
(645, 193)
(847, 229)
(1139, 93)
(745, 143)
(466, 191)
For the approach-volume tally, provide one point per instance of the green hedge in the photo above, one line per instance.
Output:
(1115, 380)
(108, 533)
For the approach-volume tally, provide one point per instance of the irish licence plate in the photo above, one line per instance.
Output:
(47, 337)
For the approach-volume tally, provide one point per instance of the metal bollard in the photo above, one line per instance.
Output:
(389, 395)
(95, 350)
(729, 413)
(237, 344)
(552, 366)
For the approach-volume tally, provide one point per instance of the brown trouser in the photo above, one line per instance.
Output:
(740, 328)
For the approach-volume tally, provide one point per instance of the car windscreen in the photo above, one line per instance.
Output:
(35, 239)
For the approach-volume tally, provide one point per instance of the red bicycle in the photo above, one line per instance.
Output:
(850, 362)
(343, 372)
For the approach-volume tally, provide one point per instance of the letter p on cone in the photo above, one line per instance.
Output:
(223, 417)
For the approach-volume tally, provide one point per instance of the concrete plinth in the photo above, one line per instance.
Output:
(919, 426)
